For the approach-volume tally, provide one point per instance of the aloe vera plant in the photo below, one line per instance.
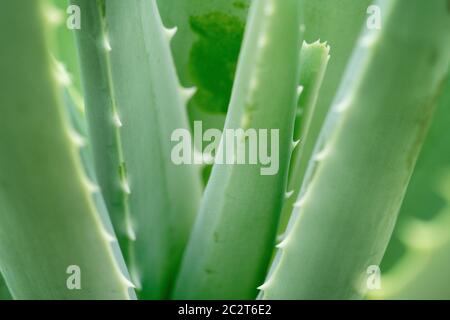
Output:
(314, 116)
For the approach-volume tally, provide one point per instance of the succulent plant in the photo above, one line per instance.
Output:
(325, 104)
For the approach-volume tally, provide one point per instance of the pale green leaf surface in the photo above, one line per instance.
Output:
(230, 247)
(416, 265)
(151, 105)
(49, 219)
(365, 156)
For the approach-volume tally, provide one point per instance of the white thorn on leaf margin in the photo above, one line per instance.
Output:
(170, 32)
(296, 143)
(106, 44)
(288, 194)
(187, 93)
(76, 138)
(116, 120)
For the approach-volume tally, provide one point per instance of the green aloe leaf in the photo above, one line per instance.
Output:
(134, 104)
(338, 23)
(422, 237)
(314, 59)
(102, 116)
(51, 222)
(365, 156)
(230, 247)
